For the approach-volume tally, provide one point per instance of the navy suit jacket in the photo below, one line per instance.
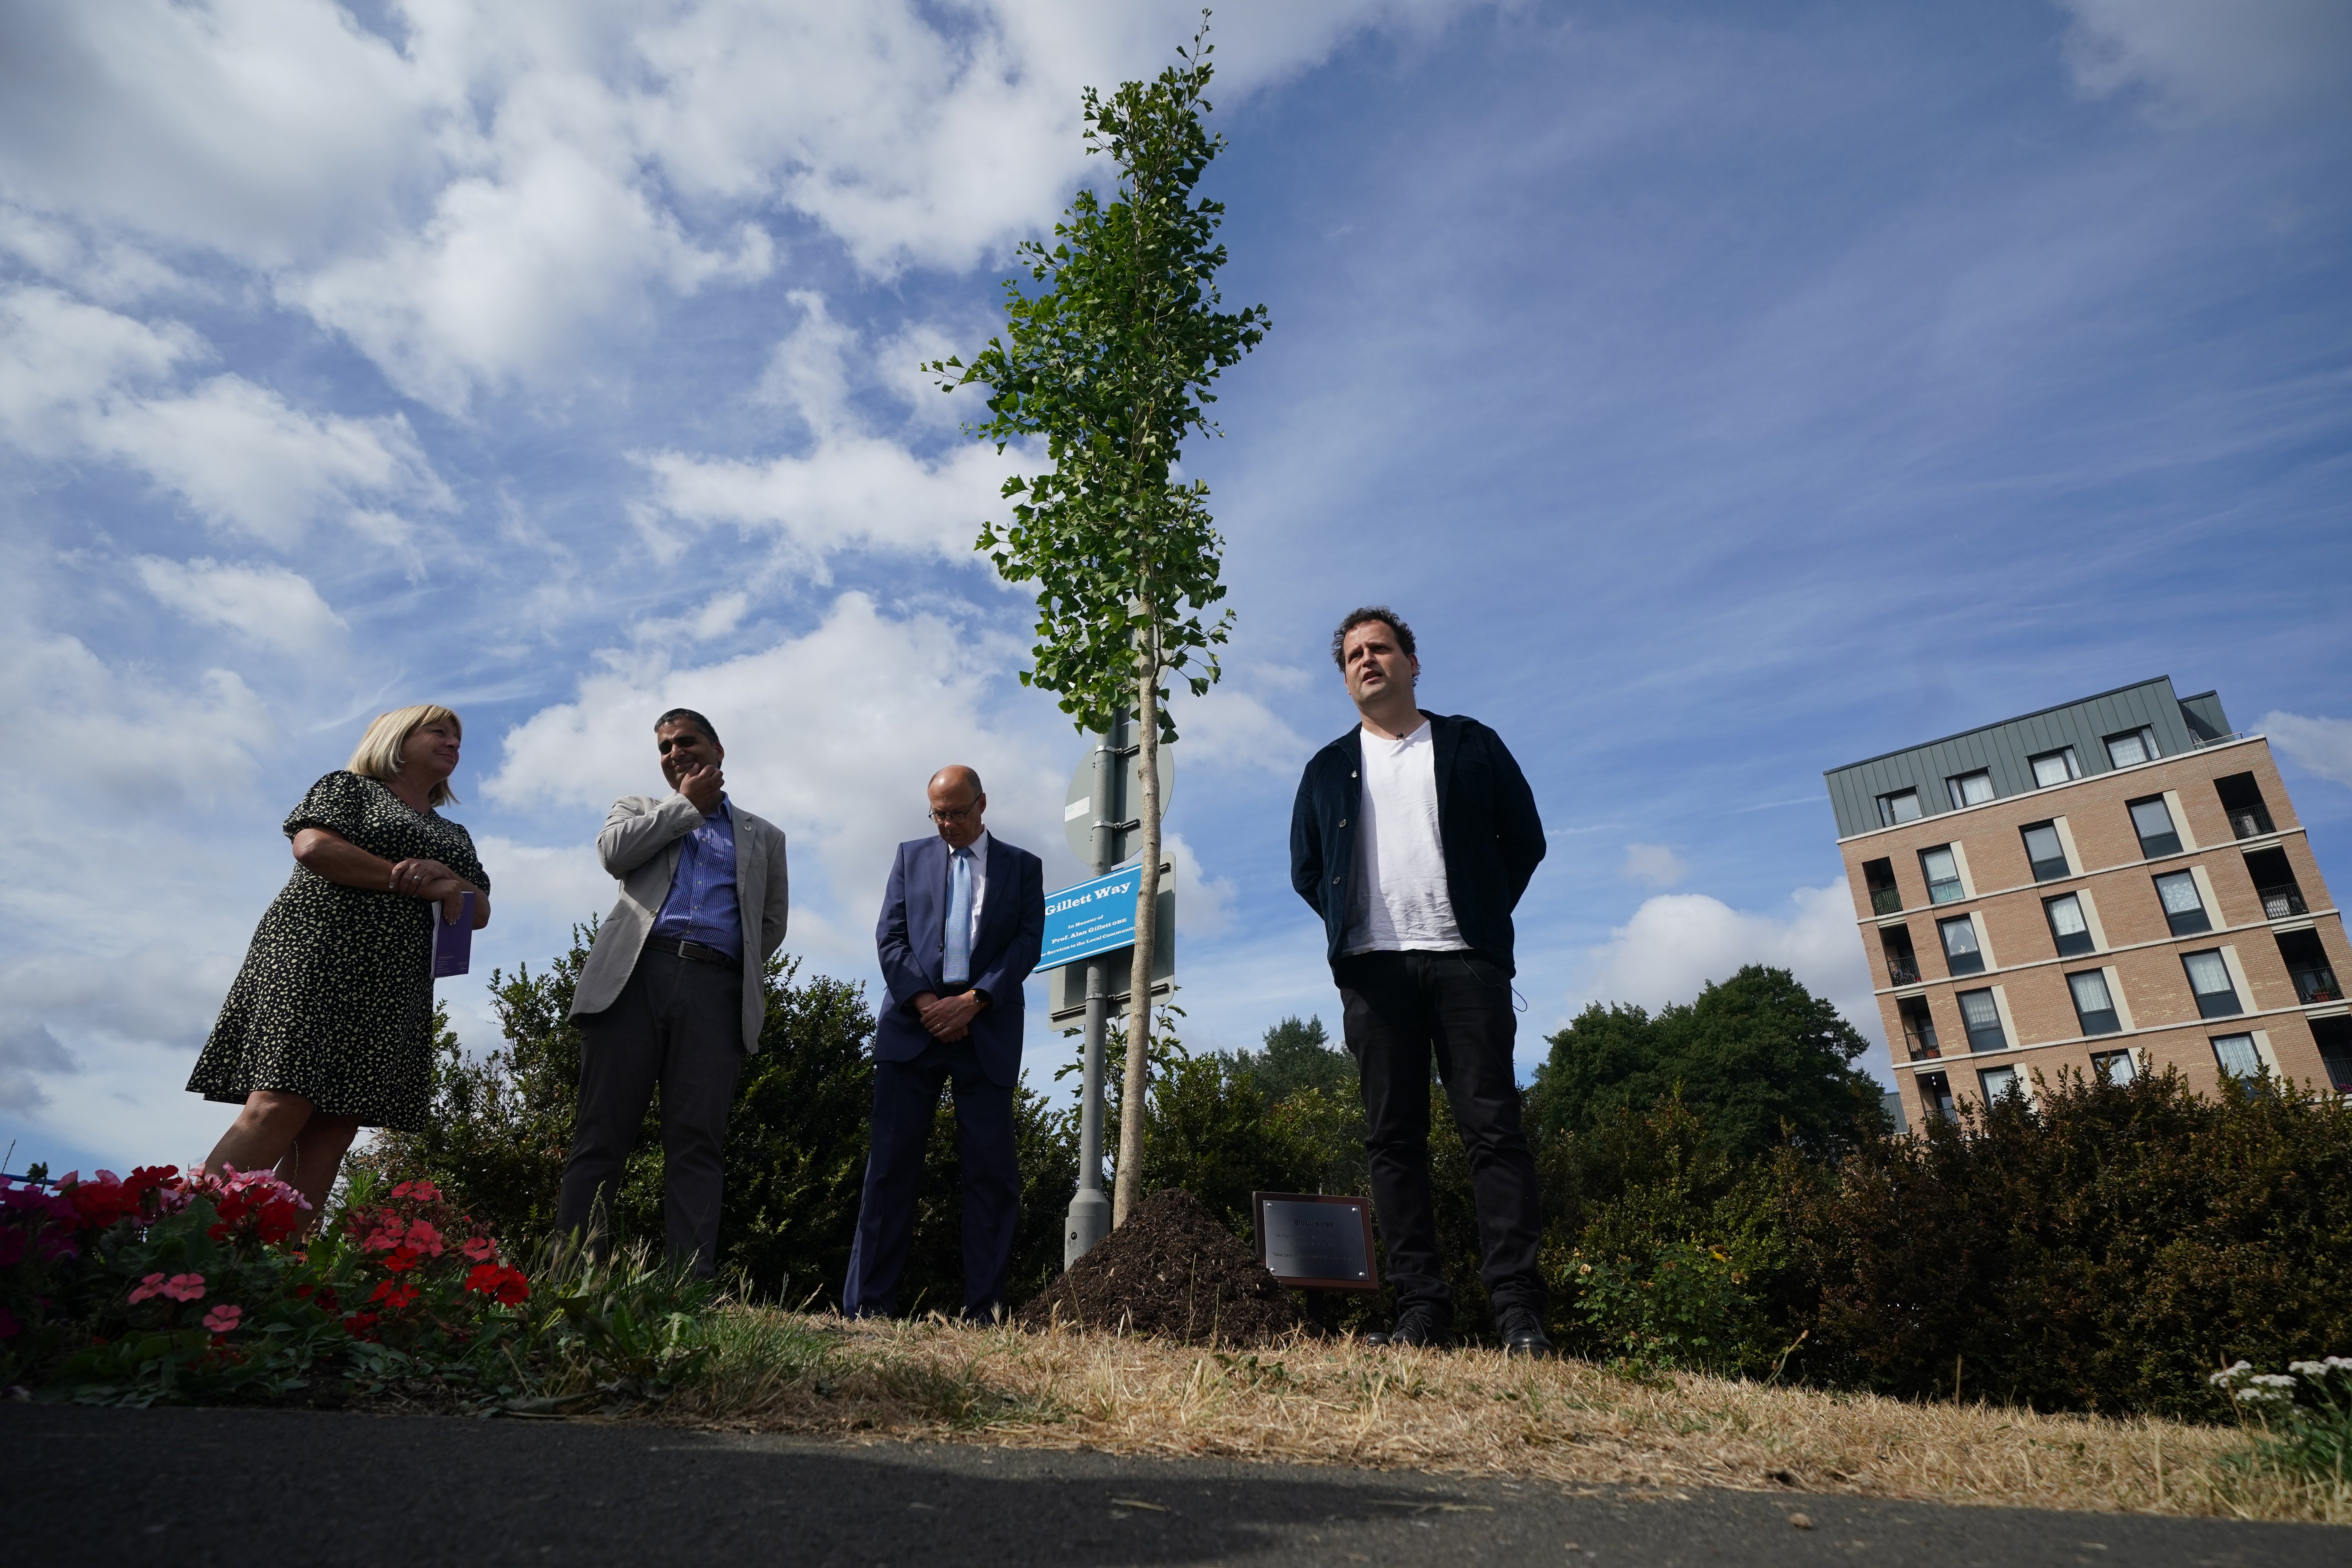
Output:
(911, 939)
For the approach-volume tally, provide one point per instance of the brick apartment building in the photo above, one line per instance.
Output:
(2117, 885)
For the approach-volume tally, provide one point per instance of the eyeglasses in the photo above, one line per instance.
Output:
(958, 815)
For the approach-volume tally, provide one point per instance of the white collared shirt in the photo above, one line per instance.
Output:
(1399, 901)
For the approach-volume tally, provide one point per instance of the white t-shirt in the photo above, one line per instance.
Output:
(1399, 901)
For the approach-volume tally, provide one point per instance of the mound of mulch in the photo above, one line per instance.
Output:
(1172, 1271)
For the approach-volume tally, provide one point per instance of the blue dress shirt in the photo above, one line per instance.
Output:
(701, 906)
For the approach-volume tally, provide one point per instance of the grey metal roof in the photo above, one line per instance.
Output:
(2002, 749)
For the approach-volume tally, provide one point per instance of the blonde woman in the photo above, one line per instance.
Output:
(329, 1027)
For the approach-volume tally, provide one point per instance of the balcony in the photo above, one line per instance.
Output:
(1903, 970)
(2280, 903)
(2316, 985)
(1885, 900)
(2252, 823)
(1922, 1045)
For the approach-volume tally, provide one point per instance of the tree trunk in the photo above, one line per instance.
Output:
(1147, 931)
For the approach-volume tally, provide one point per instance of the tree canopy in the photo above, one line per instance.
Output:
(1300, 1055)
(1752, 1054)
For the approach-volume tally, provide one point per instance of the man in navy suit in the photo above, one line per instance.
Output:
(960, 929)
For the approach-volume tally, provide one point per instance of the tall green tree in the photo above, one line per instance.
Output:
(1754, 1055)
(1110, 361)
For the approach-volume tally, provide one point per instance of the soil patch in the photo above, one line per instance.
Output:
(1171, 1270)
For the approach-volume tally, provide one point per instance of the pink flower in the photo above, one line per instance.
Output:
(223, 1318)
(151, 1286)
(184, 1286)
(422, 1238)
(480, 1248)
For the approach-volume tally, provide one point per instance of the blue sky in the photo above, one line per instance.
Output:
(1724, 394)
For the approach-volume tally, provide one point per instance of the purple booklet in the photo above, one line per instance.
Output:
(453, 945)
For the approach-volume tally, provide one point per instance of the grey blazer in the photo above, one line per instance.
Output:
(639, 845)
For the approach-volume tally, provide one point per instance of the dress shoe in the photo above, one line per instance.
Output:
(1521, 1331)
(1414, 1326)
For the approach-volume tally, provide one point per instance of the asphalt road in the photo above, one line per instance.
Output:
(236, 1487)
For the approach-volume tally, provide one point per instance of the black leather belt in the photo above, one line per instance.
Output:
(701, 953)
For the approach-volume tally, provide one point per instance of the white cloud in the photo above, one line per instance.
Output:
(1677, 942)
(849, 488)
(2323, 746)
(511, 185)
(77, 381)
(2200, 59)
(271, 606)
(1233, 729)
(1653, 864)
(831, 734)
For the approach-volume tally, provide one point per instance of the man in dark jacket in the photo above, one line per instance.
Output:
(1413, 836)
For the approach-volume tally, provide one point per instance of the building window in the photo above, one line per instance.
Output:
(2047, 852)
(2067, 926)
(2184, 908)
(2116, 1067)
(2237, 1055)
(2093, 1006)
(1969, 789)
(1918, 1027)
(2152, 820)
(2334, 1039)
(2208, 978)
(1935, 1094)
(1902, 961)
(2132, 746)
(1983, 1018)
(1961, 953)
(2276, 886)
(2307, 966)
(1998, 1083)
(2241, 798)
(1878, 876)
(1942, 869)
(2055, 767)
(1903, 805)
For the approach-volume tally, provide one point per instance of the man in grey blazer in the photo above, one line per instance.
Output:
(671, 992)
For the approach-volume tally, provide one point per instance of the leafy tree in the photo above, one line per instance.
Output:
(1754, 1055)
(1301, 1055)
(1111, 362)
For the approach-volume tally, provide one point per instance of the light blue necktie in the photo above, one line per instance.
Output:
(957, 970)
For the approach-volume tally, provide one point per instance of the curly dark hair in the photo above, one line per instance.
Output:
(1357, 617)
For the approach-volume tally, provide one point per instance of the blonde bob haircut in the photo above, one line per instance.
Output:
(377, 756)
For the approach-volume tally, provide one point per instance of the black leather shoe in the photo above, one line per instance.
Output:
(1521, 1332)
(1414, 1326)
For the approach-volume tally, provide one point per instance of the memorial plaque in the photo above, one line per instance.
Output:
(1315, 1241)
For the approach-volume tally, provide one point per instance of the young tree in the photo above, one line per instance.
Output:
(1110, 362)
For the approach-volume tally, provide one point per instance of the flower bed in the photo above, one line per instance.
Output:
(196, 1286)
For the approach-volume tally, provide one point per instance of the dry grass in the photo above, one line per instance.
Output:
(1465, 1412)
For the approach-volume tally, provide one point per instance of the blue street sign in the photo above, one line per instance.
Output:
(1091, 918)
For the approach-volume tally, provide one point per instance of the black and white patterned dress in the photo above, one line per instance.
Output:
(335, 1000)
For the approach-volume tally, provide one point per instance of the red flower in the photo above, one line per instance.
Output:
(480, 1248)
(509, 1286)
(395, 1295)
(401, 1261)
(421, 1190)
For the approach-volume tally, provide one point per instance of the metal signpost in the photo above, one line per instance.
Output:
(1102, 819)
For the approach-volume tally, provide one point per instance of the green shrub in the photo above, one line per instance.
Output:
(795, 1152)
(2104, 1248)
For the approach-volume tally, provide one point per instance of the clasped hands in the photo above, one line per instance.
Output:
(422, 878)
(948, 1018)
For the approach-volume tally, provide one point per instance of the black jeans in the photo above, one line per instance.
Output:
(1399, 1007)
(678, 1022)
